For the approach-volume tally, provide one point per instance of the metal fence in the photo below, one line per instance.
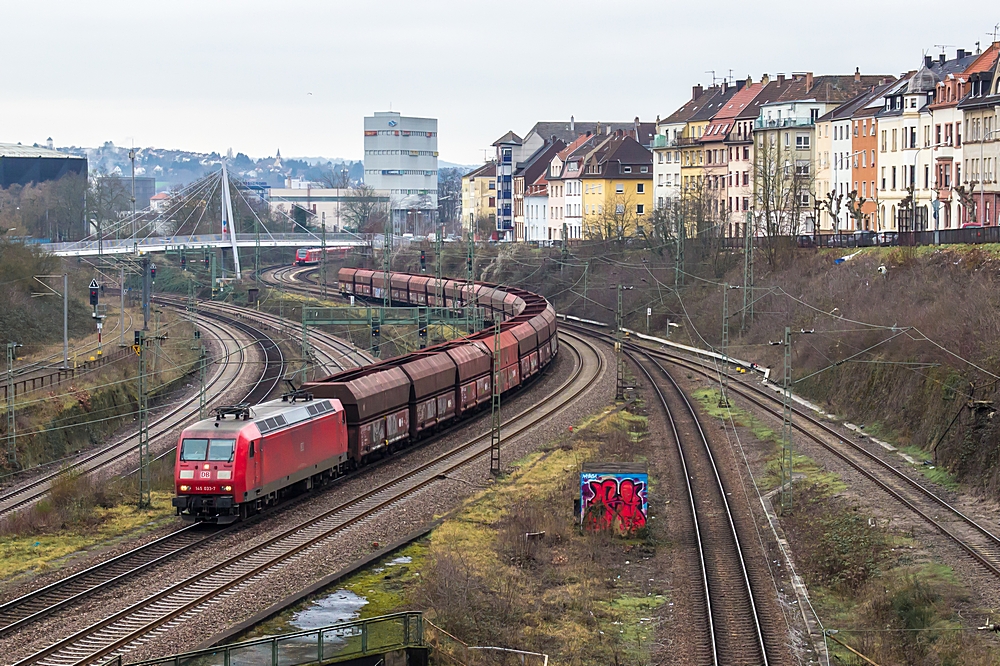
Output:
(969, 236)
(346, 640)
(39, 380)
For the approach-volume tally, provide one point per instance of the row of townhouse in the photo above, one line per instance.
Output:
(837, 153)
(804, 153)
(566, 180)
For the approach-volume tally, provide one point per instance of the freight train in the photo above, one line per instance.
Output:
(249, 457)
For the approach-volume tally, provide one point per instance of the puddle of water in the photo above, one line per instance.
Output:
(340, 606)
(403, 559)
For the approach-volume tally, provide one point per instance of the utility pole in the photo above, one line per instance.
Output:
(11, 421)
(214, 283)
(145, 483)
(786, 425)
(565, 247)
(256, 255)
(322, 264)
(121, 297)
(724, 379)
(131, 157)
(495, 403)
(145, 291)
(65, 296)
(619, 361)
(586, 293)
(679, 253)
(748, 234)
(470, 287)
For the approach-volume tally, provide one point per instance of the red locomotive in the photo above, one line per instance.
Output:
(246, 458)
(228, 468)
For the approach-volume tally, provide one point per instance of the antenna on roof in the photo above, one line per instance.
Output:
(942, 47)
(996, 29)
(712, 72)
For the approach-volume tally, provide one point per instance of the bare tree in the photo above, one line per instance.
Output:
(615, 220)
(485, 225)
(365, 211)
(108, 201)
(966, 195)
(782, 188)
(337, 178)
(855, 204)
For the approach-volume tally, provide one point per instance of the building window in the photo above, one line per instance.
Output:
(644, 169)
(627, 169)
(640, 209)
(640, 188)
(619, 209)
(619, 188)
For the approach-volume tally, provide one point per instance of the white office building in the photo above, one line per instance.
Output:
(401, 158)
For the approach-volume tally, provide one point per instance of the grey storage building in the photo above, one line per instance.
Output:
(20, 165)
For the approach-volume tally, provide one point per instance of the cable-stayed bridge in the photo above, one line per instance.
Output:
(203, 215)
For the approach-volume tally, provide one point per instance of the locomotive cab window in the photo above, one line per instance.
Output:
(221, 449)
(194, 449)
(251, 451)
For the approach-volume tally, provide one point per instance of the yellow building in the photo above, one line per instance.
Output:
(479, 196)
(617, 188)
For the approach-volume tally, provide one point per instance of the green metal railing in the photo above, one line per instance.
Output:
(337, 642)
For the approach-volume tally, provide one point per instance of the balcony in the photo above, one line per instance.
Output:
(687, 141)
(663, 141)
(774, 123)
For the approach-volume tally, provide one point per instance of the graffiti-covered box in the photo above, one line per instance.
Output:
(614, 496)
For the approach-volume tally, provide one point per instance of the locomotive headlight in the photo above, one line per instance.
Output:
(227, 488)
(184, 489)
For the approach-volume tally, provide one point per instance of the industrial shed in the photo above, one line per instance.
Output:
(20, 165)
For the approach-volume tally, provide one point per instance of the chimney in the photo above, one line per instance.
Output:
(927, 61)
(572, 123)
(725, 86)
(781, 79)
(696, 91)
(635, 124)
(749, 80)
(739, 85)
(857, 75)
(809, 81)
(960, 54)
(941, 59)
(765, 79)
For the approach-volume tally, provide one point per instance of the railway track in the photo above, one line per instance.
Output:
(44, 364)
(183, 600)
(33, 606)
(980, 543)
(234, 360)
(724, 595)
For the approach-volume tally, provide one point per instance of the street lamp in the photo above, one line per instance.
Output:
(913, 189)
(982, 172)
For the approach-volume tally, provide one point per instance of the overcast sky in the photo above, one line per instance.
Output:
(219, 74)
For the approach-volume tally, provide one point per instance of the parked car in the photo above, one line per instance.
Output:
(805, 241)
(864, 238)
(887, 238)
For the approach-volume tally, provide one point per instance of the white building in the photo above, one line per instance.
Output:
(401, 157)
(324, 206)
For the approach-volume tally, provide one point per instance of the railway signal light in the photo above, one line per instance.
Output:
(375, 331)
(423, 261)
(95, 292)
(183, 261)
(152, 271)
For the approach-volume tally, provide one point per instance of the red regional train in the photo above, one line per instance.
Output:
(249, 457)
(311, 256)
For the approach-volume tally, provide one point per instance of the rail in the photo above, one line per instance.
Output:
(60, 375)
(336, 642)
